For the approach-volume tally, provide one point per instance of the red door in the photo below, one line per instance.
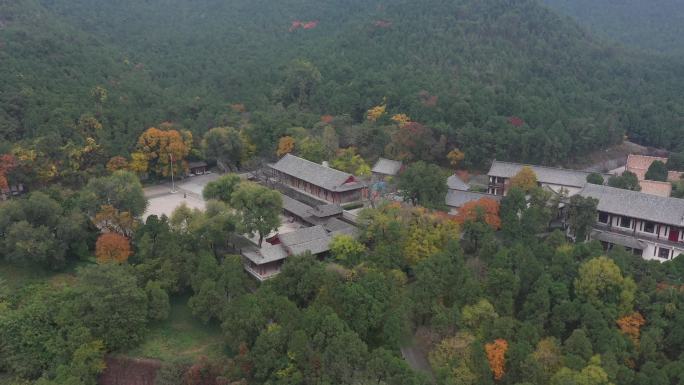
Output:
(674, 235)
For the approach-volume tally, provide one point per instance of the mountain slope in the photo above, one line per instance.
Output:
(653, 25)
(478, 61)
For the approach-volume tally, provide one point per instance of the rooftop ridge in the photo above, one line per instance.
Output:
(626, 191)
(315, 164)
(548, 167)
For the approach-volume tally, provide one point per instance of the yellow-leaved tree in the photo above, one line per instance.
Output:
(376, 112)
(165, 148)
(525, 179)
(286, 145)
(400, 119)
(455, 157)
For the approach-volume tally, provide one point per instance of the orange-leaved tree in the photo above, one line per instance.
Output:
(112, 247)
(7, 163)
(631, 325)
(117, 163)
(496, 355)
(486, 209)
(286, 145)
(165, 147)
(112, 220)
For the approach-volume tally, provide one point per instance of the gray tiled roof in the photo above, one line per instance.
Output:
(387, 167)
(197, 164)
(456, 183)
(334, 224)
(315, 246)
(551, 175)
(457, 198)
(618, 239)
(669, 211)
(316, 174)
(314, 239)
(324, 211)
(295, 207)
(267, 253)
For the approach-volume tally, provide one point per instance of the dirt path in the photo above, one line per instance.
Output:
(416, 359)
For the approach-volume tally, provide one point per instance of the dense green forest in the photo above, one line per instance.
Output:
(655, 25)
(463, 68)
(484, 306)
(96, 95)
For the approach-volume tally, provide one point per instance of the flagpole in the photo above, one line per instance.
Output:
(173, 184)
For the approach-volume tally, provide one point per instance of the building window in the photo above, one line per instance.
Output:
(626, 222)
(649, 227)
(663, 253)
(603, 217)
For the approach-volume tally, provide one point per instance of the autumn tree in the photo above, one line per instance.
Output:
(479, 316)
(455, 157)
(347, 249)
(165, 148)
(7, 164)
(426, 234)
(496, 355)
(631, 324)
(112, 247)
(259, 209)
(112, 220)
(486, 209)
(375, 113)
(525, 179)
(228, 146)
(412, 141)
(117, 163)
(138, 163)
(600, 282)
(453, 358)
(400, 119)
(286, 145)
(548, 356)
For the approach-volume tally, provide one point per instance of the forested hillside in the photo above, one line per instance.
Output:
(463, 68)
(653, 25)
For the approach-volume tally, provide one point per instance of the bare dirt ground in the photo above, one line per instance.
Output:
(612, 158)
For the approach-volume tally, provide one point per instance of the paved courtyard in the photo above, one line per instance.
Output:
(189, 191)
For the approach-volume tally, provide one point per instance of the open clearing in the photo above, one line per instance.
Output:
(189, 191)
(180, 336)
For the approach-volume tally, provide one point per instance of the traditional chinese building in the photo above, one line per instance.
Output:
(552, 178)
(316, 180)
(650, 226)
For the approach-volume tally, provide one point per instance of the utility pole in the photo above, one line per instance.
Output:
(173, 184)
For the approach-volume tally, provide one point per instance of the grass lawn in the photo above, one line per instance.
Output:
(13, 278)
(180, 336)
